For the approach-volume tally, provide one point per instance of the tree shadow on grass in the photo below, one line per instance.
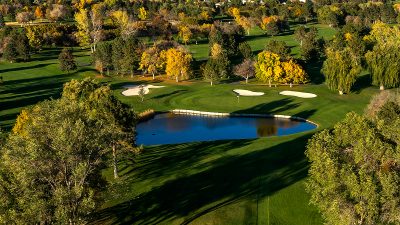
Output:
(14, 69)
(223, 181)
(272, 107)
(362, 82)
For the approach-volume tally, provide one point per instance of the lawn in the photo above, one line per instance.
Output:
(258, 181)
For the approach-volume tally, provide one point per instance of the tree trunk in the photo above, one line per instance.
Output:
(291, 85)
(211, 83)
(115, 162)
(153, 76)
(270, 83)
(382, 87)
(247, 79)
(340, 92)
(131, 73)
(176, 79)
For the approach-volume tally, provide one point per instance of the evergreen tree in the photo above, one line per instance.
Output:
(10, 51)
(66, 60)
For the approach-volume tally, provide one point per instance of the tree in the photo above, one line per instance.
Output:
(39, 13)
(59, 182)
(340, 70)
(310, 44)
(10, 51)
(97, 15)
(294, 73)
(142, 13)
(132, 51)
(268, 68)
(151, 61)
(330, 15)
(177, 64)
(121, 19)
(383, 60)
(24, 17)
(67, 61)
(185, 34)
(354, 177)
(103, 57)
(245, 50)
(278, 47)
(118, 45)
(246, 69)
(57, 12)
(141, 92)
(84, 29)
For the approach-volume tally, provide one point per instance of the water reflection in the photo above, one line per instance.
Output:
(170, 128)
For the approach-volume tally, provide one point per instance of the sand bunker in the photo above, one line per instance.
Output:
(298, 94)
(133, 90)
(247, 92)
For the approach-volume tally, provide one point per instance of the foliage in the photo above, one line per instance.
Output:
(66, 60)
(177, 64)
(354, 171)
(380, 99)
(245, 50)
(142, 13)
(151, 61)
(278, 47)
(185, 34)
(341, 69)
(271, 67)
(384, 59)
(310, 44)
(84, 28)
(59, 182)
(103, 57)
(245, 69)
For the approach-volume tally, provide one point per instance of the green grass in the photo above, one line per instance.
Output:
(258, 181)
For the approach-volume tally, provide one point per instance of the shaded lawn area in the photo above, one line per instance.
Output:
(27, 83)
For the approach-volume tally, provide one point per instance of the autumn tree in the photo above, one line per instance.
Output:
(245, 69)
(39, 12)
(294, 73)
(66, 60)
(341, 70)
(177, 63)
(151, 61)
(142, 13)
(271, 67)
(24, 17)
(218, 65)
(185, 34)
(57, 12)
(353, 176)
(268, 67)
(84, 28)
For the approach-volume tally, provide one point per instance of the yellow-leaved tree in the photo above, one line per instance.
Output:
(151, 61)
(268, 67)
(185, 34)
(294, 73)
(83, 25)
(142, 13)
(177, 63)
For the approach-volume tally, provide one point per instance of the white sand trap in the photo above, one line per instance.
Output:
(133, 90)
(298, 94)
(247, 92)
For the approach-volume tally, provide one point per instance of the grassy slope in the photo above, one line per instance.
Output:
(225, 182)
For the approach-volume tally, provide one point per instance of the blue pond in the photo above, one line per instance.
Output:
(170, 128)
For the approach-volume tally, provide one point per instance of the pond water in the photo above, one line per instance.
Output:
(170, 128)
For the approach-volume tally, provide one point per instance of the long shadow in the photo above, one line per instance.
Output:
(24, 68)
(271, 107)
(251, 176)
(169, 94)
(362, 82)
(314, 71)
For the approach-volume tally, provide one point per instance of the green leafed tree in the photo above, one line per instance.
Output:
(341, 70)
(354, 176)
(66, 60)
(50, 167)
